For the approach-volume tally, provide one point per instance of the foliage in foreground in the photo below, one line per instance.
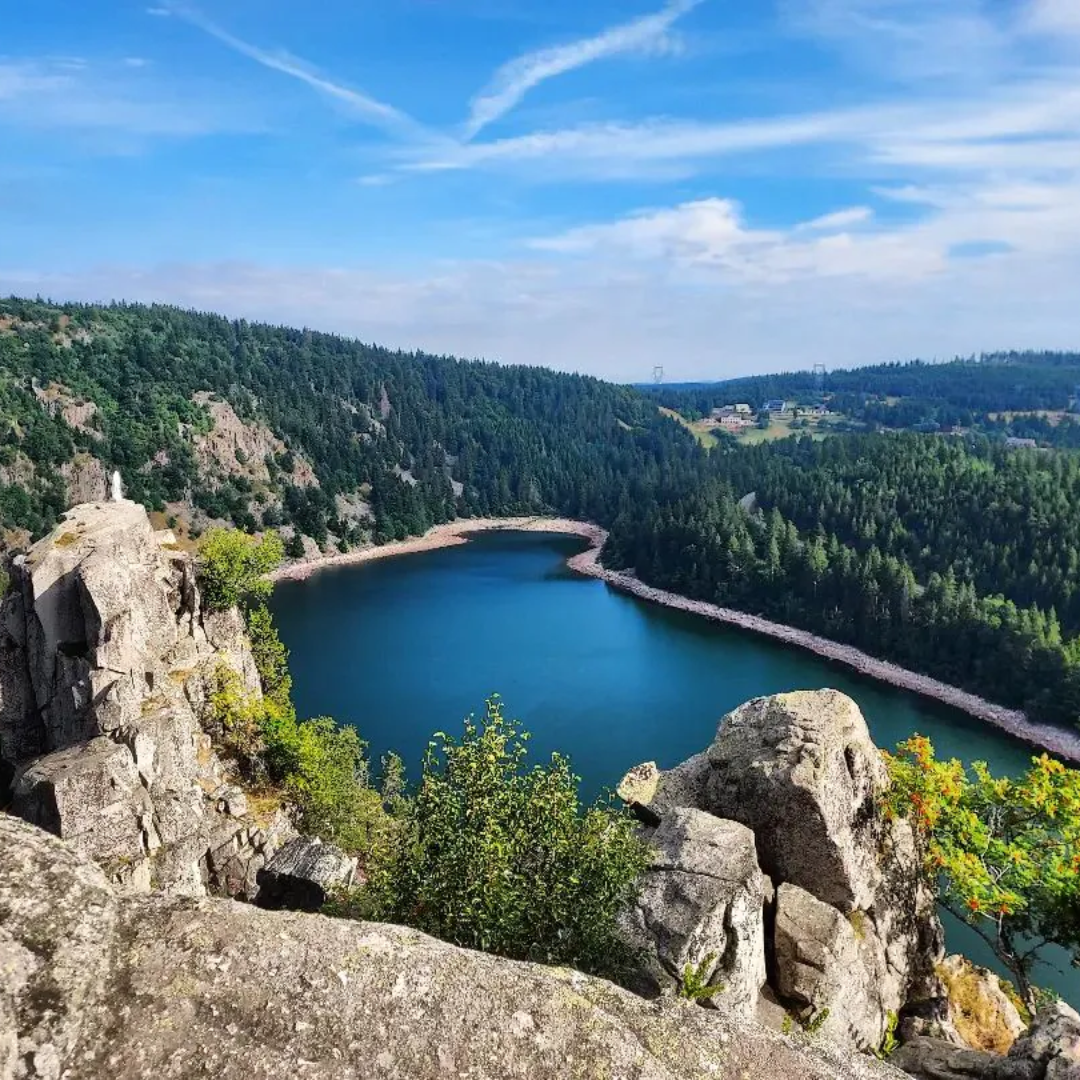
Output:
(500, 856)
(488, 853)
(1005, 853)
(317, 764)
(233, 567)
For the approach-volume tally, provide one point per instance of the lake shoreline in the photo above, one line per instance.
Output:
(1065, 744)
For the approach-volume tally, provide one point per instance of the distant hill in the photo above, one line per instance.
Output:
(958, 392)
(210, 419)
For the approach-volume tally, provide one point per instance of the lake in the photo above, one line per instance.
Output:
(404, 647)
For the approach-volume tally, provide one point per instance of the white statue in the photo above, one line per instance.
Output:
(117, 490)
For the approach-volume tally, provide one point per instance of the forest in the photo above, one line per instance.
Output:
(956, 556)
(998, 394)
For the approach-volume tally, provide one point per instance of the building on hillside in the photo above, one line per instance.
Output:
(733, 422)
(740, 409)
(775, 405)
(1021, 444)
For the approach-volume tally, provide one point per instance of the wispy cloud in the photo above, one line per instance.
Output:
(839, 219)
(515, 79)
(364, 106)
(42, 94)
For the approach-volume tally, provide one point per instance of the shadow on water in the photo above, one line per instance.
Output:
(407, 646)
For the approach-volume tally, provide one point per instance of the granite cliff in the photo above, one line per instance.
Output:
(106, 659)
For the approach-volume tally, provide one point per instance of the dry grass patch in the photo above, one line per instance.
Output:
(977, 1014)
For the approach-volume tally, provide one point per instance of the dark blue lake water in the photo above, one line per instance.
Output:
(405, 647)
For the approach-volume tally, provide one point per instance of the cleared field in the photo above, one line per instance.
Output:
(781, 428)
(700, 429)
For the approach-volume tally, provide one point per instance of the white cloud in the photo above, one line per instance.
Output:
(1054, 16)
(514, 80)
(48, 95)
(839, 219)
(710, 239)
(609, 317)
(375, 112)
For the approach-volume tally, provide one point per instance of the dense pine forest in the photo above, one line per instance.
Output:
(953, 555)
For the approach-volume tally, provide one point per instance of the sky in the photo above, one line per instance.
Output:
(717, 187)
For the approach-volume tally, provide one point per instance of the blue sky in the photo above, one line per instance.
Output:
(714, 186)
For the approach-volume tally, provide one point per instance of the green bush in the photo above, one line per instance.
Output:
(498, 856)
(271, 656)
(232, 567)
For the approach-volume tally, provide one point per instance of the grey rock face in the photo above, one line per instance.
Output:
(303, 874)
(937, 1059)
(1052, 1043)
(819, 968)
(701, 905)
(801, 771)
(171, 988)
(106, 659)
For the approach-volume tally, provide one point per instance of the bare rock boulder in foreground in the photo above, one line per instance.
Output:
(165, 987)
(701, 905)
(1048, 1050)
(856, 928)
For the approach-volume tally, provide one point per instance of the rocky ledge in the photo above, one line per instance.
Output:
(95, 984)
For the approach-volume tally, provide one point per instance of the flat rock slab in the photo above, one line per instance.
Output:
(169, 988)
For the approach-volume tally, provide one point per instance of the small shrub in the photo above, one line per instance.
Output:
(889, 1043)
(498, 856)
(694, 985)
(233, 567)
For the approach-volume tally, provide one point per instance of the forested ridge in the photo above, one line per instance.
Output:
(984, 392)
(361, 442)
(954, 556)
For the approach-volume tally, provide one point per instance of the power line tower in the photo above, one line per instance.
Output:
(658, 374)
(819, 378)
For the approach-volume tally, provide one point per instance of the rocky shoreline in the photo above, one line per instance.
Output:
(1065, 744)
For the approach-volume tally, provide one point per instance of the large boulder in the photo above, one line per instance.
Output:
(982, 1014)
(303, 874)
(133, 986)
(820, 971)
(801, 772)
(106, 659)
(1048, 1050)
(928, 1058)
(1052, 1043)
(700, 906)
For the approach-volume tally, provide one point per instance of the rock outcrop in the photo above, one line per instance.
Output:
(106, 660)
(854, 928)
(1048, 1050)
(700, 906)
(304, 874)
(981, 1013)
(97, 984)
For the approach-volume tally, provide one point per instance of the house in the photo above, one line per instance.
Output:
(724, 410)
(775, 405)
(732, 422)
(743, 409)
(1021, 444)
